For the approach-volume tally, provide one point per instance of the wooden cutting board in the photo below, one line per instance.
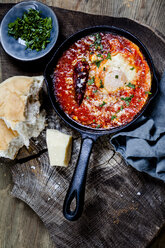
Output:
(123, 208)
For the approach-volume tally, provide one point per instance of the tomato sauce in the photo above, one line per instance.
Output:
(100, 109)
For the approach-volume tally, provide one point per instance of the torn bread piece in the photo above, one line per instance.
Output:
(59, 147)
(20, 107)
(10, 141)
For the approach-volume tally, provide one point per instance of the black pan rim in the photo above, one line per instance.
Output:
(66, 44)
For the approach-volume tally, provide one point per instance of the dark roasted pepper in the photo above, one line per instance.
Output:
(80, 78)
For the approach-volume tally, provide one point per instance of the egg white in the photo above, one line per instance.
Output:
(114, 73)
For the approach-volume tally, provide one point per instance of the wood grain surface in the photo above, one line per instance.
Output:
(20, 227)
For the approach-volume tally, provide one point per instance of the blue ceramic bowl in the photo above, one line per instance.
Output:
(12, 46)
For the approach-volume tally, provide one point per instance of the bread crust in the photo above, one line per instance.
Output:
(6, 135)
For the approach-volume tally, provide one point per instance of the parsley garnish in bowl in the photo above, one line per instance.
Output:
(33, 29)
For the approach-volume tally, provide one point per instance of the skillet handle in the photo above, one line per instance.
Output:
(76, 189)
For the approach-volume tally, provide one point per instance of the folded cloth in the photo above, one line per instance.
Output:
(143, 146)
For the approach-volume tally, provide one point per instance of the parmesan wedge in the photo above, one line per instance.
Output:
(59, 147)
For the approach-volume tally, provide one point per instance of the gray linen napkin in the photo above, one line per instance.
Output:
(143, 146)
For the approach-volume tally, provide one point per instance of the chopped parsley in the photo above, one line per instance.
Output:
(116, 76)
(98, 39)
(97, 42)
(98, 62)
(101, 47)
(132, 68)
(91, 81)
(96, 46)
(101, 84)
(121, 108)
(127, 99)
(94, 120)
(98, 126)
(108, 56)
(139, 100)
(104, 69)
(113, 117)
(94, 91)
(87, 97)
(100, 55)
(101, 105)
(148, 92)
(32, 28)
(131, 85)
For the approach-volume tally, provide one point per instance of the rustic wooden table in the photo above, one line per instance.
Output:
(14, 213)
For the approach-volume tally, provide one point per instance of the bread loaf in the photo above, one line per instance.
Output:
(20, 116)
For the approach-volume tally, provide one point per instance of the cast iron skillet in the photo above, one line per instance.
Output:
(89, 135)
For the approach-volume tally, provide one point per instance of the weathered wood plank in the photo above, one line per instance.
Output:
(148, 12)
(14, 213)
